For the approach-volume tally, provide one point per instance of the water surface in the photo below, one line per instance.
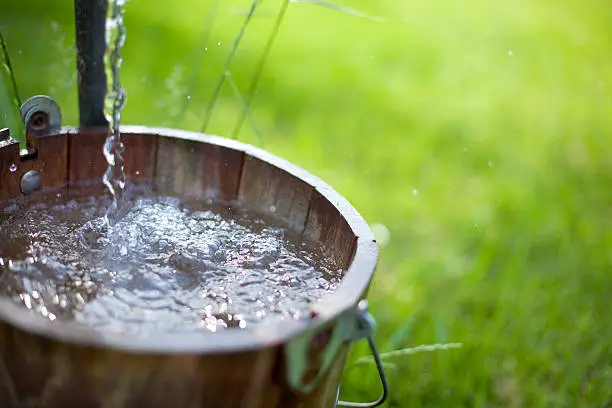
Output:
(165, 265)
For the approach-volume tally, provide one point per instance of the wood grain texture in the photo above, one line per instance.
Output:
(38, 372)
(9, 180)
(87, 164)
(330, 230)
(200, 170)
(270, 190)
(139, 157)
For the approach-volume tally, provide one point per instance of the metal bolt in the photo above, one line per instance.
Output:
(30, 182)
(39, 121)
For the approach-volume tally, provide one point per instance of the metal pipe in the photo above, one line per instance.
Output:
(90, 20)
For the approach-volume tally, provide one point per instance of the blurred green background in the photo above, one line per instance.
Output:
(474, 137)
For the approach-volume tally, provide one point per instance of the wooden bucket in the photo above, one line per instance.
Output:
(289, 365)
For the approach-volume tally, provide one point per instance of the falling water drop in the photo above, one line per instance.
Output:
(13, 168)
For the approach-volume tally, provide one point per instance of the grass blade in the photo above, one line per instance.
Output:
(260, 66)
(228, 61)
(342, 9)
(409, 351)
(245, 108)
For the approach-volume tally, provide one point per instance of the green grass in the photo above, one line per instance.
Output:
(477, 132)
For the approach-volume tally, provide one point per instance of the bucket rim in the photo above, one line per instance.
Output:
(350, 291)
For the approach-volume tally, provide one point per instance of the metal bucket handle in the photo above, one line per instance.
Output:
(366, 325)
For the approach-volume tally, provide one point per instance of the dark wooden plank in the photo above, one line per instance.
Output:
(330, 230)
(194, 169)
(9, 180)
(230, 168)
(46, 373)
(52, 160)
(139, 157)
(86, 159)
(270, 190)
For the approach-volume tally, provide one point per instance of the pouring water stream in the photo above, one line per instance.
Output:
(114, 177)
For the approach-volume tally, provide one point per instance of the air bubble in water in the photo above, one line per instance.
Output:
(13, 168)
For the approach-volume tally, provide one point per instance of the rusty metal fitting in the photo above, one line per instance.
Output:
(41, 114)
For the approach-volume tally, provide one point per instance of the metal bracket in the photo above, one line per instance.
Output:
(366, 325)
(309, 356)
(40, 115)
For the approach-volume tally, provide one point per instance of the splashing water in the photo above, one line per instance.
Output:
(114, 178)
(166, 265)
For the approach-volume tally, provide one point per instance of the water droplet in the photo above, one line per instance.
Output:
(415, 191)
(510, 52)
(465, 149)
(219, 44)
(490, 163)
(205, 48)
(20, 52)
(59, 195)
(273, 208)
(13, 168)
(188, 97)
(138, 172)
